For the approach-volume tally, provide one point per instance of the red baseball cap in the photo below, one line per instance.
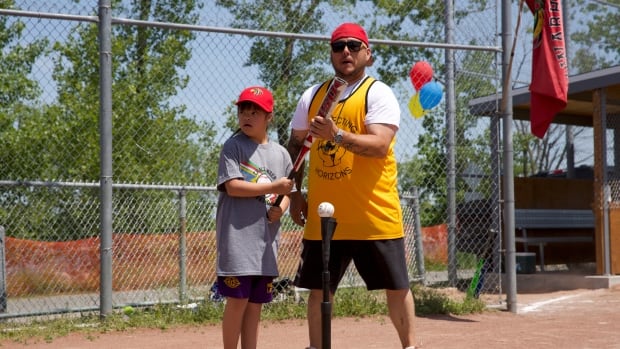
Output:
(259, 96)
(350, 30)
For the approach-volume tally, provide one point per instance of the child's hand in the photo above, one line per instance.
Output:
(283, 185)
(274, 213)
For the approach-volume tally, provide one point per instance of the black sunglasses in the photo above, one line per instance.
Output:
(354, 46)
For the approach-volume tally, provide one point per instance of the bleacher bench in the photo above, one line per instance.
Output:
(551, 219)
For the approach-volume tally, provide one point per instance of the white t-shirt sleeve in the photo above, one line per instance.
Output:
(383, 107)
(300, 118)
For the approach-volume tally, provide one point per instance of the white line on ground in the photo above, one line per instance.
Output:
(537, 305)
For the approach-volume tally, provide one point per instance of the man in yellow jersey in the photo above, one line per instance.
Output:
(352, 165)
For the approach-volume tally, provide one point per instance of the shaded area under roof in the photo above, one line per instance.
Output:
(579, 109)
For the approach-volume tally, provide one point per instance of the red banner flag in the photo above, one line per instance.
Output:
(549, 86)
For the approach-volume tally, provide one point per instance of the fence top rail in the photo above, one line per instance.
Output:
(191, 187)
(228, 30)
(49, 15)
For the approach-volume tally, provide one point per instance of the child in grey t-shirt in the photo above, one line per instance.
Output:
(252, 172)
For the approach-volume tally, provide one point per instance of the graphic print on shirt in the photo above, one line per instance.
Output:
(252, 173)
(330, 153)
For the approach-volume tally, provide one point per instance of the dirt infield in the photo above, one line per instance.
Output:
(580, 319)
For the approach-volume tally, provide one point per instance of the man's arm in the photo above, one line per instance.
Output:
(375, 143)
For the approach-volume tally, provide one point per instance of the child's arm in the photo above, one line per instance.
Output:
(240, 188)
(275, 212)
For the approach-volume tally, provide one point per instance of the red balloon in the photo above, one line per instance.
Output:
(420, 74)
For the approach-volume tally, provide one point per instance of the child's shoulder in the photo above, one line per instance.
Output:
(236, 138)
(277, 145)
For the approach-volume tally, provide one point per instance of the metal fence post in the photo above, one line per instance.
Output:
(105, 131)
(419, 247)
(182, 247)
(451, 148)
(2, 272)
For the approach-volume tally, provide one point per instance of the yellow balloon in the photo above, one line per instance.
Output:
(415, 107)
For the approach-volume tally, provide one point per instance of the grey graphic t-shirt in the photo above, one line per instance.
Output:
(247, 243)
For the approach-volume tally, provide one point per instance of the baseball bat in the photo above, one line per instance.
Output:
(474, 285)
(335, 90)
(482, 267)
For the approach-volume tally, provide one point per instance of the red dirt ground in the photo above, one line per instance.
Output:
(579, 319)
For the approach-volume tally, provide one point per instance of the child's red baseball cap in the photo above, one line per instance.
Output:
(259, 96)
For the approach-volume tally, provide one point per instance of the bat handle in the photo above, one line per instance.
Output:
(278, 201)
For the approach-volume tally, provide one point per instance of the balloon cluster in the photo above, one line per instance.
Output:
(428, 93)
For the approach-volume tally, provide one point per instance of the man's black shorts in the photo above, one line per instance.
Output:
(380, 263)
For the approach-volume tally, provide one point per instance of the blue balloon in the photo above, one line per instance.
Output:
(430, 95)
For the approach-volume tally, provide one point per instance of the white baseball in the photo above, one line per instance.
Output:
(326, 209)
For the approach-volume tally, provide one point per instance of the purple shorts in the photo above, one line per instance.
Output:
(256, 288)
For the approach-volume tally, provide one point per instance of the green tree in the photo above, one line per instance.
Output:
(596, 40)
(155, 141)
(429, 174)
(298, 62)
(427, 169)
(18, 92)
(18, 106)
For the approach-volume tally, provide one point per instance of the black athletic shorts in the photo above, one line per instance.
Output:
(380, 263)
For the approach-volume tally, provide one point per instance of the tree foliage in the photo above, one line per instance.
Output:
(297, 64)
(154, 140)
(18, 93)
(597, 35)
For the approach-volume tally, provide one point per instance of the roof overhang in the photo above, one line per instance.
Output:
(579, 109)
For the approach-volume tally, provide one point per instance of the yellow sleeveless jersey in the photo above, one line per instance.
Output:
(363, 190)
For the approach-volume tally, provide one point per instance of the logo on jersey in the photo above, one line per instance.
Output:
(330, 153)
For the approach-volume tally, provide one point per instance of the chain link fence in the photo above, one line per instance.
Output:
(177, 71)
(611, 195)
(611, 154)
